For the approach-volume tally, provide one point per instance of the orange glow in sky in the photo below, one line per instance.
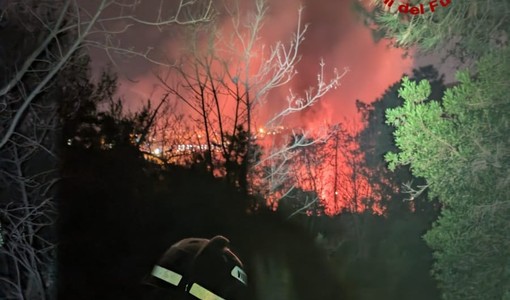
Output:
(335, 34)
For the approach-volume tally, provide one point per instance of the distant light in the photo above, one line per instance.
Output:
(157, 151)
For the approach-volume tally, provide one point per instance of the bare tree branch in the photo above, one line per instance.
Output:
(407, 188)
(30, 96)
(30, 60)
(223, 77)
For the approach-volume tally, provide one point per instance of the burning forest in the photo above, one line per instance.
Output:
(232, 149)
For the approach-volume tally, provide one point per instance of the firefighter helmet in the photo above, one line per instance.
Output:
(196, 268)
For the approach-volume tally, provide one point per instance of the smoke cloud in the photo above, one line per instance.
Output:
(334, 34)
(337, 35)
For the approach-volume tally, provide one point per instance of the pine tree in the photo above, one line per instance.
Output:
(460, 146)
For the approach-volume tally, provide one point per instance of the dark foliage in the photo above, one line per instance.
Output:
(386, 254)
(118, 218)
(120, 212)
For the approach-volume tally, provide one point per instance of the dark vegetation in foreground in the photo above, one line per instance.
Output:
(119, 212)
